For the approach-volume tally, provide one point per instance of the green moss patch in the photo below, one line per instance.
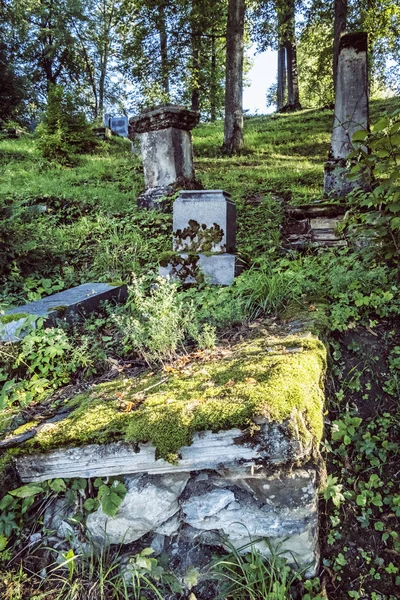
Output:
(5, 319)
(275, 378)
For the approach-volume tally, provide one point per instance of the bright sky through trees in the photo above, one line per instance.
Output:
(261, 76)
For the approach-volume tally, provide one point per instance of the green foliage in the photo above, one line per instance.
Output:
(246, 575)
(45, 360)
(376, 213)
(65, 131)
(155, 325)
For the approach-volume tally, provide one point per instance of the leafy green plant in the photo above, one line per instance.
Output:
(376, 212)
(45, 361)
(110, 496)
(154, 325)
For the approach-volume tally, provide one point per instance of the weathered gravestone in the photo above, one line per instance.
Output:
(166, 146)
(68, 305)
(118, 125)
(204, 225)
(351, 111)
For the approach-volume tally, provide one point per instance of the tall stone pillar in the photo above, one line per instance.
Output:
(166, 147)
(351, 111)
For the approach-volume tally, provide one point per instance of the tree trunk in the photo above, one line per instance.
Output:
(339, 28)
(233, 137)
(162, 28)
(281, 86)
(213, 86)
(195, 70)
(293, 101)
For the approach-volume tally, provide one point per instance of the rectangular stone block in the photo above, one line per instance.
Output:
(119, 125)
(167, 156)
(217, 269)
(102, 133)
(204, 221)
(69, 305)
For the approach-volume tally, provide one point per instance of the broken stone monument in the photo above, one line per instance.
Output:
(313, 226)
(102, 133)
(166, 146)
(351, 111)
(245, 473)
(68, 305)
(204, 225)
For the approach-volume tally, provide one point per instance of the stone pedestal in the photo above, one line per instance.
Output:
(166, 147)
(204, 243)
(351, 111)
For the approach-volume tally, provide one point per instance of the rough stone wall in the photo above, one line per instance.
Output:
(218, 508)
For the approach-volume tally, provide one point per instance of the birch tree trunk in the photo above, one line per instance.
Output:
(233, 134)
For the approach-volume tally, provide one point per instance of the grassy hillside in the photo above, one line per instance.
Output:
(97, 233)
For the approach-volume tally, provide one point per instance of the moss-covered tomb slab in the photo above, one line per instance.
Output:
(265, 393)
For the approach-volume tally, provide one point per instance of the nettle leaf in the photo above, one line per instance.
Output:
(27, 491)
(381, 125)
(360, 135)
(91, 504)
(58, 485)
(110, 503)
(6, 501)
(395, 223)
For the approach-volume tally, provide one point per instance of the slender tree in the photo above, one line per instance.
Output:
(233, 132)
(287, 42)
(340, 21)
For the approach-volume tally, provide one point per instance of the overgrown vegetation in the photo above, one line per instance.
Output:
(352, 295)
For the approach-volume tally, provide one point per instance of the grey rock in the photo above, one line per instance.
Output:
(198, 508)
(170, 527)
(158, 543)
(56, 518)
(149, 502)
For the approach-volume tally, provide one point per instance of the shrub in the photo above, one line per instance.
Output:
(155, 325)
(65, 131)
(375, 214)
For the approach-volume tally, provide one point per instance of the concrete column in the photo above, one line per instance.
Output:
(166, 147)
(351, 110)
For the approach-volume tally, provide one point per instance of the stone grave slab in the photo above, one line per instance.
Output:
(118, 125)
(68, 305)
